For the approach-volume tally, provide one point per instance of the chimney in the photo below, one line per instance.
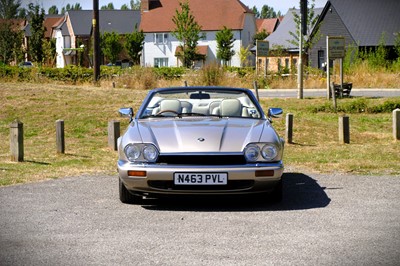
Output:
(145, 5)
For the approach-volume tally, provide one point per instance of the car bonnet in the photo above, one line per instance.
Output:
(203, 135)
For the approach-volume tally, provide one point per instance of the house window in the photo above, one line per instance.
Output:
(160, 62)
(160, 38)
(321, 59)
(287, 63)
(279, 64)
(203, 36)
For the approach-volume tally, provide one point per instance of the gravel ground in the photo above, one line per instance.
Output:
(323, 220)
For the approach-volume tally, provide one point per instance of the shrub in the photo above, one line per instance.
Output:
(169, 73)
(211, 75)
(360, 105)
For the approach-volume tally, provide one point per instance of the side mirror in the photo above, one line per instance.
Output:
(275, 112)
(126, 112)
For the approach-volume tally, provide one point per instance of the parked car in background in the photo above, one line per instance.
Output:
(26, 64)
(200, 141)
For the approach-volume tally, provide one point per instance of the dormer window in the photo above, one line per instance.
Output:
(160, 38)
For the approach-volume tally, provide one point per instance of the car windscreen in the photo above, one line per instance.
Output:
(201, 102)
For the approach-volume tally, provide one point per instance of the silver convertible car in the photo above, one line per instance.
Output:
(199, 141)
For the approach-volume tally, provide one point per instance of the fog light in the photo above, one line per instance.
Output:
(137, 173)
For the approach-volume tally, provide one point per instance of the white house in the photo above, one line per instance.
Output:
(75, 31)
(161, 47)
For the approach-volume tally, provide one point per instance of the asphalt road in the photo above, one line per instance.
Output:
(323, 220)
(292, 93)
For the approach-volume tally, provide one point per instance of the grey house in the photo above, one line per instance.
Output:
(281, 39)
(76, 29)
(361, 22)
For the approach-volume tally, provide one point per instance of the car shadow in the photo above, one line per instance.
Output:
(300, 192)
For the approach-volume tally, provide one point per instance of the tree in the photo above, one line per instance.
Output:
(187, 32)
(244, 54)
(10, 42)
(9, 8)
(124, 7)
(53, 10)
(68, 7)
(266, 12)
(255, 11)
(134, 45)
(49, 50)
(111, 45)
(224, 45)
(260, 36)
(311, 22)
(110, 6)
(22, 13)
(37, 32)
(135, 4)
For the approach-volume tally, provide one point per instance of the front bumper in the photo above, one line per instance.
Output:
(242, 179)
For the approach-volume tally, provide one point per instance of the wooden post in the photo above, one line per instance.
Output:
(113, 134)
(344, 129)
(333, 91)
(17, 141)
(60, 136)
(185, 83)
(396, 124)
(289, 128)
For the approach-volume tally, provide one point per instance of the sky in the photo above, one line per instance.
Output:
(278, 5)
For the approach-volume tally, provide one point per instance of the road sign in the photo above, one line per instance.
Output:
(336, 47)
(262, 48)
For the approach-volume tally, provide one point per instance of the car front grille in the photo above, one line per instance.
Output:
(232, 185)
(202, 159)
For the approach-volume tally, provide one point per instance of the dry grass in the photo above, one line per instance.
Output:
(86, 111)
(372, 149)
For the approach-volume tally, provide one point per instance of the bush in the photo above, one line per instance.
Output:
(169, 73)
(211, 75)
(360, 105)
(241, 71)
(387, 107)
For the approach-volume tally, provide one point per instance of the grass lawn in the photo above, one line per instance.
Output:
(87, 110)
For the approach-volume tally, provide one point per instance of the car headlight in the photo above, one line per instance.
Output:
(252, 153)
(141, 152)
(269, 152)
(150, 153)
(260, 152)
(132, 152)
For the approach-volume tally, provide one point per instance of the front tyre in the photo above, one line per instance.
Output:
(126, 197)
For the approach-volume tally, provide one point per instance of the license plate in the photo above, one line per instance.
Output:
(200, 178)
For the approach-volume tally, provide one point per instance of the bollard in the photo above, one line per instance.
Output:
(60, 136)
(396, 124)
(289, 128)
(17, 141)
(113, 134)
(344, 129)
